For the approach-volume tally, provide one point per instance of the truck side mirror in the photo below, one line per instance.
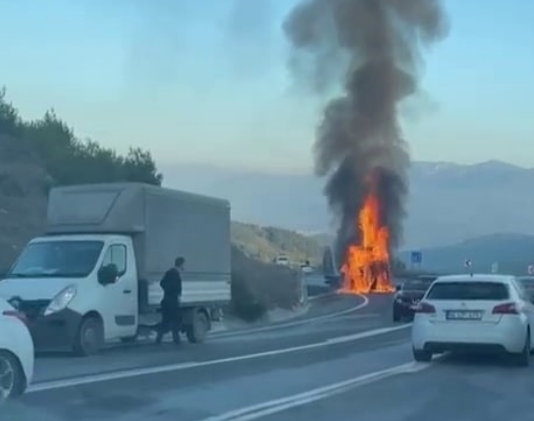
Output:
(108, 274)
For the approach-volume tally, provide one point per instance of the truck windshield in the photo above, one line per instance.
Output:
(64, 259)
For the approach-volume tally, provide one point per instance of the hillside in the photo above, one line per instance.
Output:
(265, 243)
(513, 252)
(444, 205)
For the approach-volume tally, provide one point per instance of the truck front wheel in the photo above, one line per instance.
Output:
(198, 329)
(90, 337)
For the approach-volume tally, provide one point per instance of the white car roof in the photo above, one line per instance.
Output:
(476, 277)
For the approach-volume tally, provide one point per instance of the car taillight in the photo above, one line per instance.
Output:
(506, 308)
(425, 308)
(17, 314)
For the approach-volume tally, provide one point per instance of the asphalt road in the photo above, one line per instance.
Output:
(354, 365)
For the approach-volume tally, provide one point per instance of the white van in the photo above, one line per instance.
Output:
(94, 276)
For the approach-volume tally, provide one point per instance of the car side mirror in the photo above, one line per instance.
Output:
(397, 288)
(108, 274)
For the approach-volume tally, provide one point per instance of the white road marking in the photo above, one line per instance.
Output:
(326, 294)
(123, 374)
(295, 323)
(254, 412)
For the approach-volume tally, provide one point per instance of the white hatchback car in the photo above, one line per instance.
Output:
(16, 353)
(474, 313)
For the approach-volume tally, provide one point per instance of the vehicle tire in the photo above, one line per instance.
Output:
(12, 377)
(396, 316)
(523, 359)
(90, 337)
(197, 331)
(421, 355)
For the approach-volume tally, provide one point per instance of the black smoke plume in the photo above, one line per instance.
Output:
(359, 138)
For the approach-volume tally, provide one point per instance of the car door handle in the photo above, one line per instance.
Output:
(127, 291)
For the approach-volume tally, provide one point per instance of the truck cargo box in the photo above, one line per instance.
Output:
(163, 223)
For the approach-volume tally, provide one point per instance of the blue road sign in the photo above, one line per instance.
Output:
(417, 257)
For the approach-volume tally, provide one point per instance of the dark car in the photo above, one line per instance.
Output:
(408, 295)
(527, 282)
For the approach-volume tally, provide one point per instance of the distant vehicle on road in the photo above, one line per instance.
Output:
(527, 282)
(94, 276)
(16, 353)
(408, 295)
(477, 313)
(306, 269)
(281, 260)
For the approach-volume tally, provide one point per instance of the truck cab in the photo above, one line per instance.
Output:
(57, 281)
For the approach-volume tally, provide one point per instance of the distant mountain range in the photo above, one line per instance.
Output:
(512, 253)
(448, 203)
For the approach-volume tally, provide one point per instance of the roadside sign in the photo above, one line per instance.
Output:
(495, 267)
(417, 257)
(467, 263)
(531, 269)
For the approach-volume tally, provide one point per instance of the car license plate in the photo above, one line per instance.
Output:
(464, 315)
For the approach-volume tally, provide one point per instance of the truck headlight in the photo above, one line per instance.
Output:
(61, 300)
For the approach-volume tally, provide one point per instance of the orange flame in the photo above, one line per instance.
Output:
(366, 266)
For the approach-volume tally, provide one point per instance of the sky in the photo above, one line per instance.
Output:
(206, 81)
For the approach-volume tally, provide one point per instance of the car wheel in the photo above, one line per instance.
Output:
(396, 317)
(523, 359)
(421, 355)
(90, 337)
(12, 378)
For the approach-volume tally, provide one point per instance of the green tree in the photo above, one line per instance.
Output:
(69, 160)
(140, 166)
(9, 117)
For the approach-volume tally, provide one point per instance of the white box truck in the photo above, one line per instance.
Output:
(58, 281)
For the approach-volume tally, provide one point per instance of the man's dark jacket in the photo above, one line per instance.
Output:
(172, 288)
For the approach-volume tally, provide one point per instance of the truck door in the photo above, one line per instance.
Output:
(119, 299)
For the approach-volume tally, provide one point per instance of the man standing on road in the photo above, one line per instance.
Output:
(171, 284)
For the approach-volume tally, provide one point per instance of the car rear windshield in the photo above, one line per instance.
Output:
(469, 290)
